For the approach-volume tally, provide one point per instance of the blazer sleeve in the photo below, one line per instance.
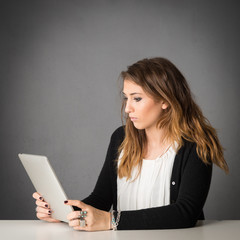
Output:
(193, 191)
(103, 193)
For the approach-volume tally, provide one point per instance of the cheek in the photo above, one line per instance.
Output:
(147, 107)
(151, 111)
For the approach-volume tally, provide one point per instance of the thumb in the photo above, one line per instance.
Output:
(75, 203)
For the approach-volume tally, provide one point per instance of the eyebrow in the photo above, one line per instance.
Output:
(132, 93)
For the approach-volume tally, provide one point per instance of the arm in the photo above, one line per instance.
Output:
(102, 195)
(193, 190)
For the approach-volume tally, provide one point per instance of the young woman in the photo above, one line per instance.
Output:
(158, 167)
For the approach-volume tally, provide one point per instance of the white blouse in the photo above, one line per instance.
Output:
(151, 188)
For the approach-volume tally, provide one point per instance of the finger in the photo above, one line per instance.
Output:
(43, 210)
(52, 220)
(42, 204)
(42, 215)
(76, 203)
(36, 195)
(47, 218)
(73, 215)
(78, 228)
(74, 223)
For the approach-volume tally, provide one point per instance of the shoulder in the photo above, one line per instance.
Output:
(117, 138)
(187, 147)
(119, 133)
(188, 155)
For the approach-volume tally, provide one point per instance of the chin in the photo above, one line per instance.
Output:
(138, 126)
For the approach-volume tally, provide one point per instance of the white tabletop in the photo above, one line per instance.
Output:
(39, 230)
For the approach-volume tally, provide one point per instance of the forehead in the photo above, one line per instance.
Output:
(131, 87)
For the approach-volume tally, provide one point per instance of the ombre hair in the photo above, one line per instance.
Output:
(182, 119)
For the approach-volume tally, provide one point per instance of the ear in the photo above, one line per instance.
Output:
(164, 105)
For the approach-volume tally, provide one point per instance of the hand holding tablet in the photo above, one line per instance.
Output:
(43, 209)
(47, 184)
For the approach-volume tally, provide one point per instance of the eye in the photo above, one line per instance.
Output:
(138, 99)
(124, 99)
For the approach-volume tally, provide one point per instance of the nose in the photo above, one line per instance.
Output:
(128, 107)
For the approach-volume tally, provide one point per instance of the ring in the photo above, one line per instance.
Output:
(83, 214)
(82, 222)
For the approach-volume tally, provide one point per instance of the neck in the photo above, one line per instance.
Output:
(156, 144)
(156, 137)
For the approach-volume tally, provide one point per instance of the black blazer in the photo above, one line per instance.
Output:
(190, 182)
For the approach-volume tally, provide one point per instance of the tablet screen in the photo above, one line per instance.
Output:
(46, 184)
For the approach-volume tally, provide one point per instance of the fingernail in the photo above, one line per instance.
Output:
(40, 198)
(46, 205)
(49, 211)
(66, 201)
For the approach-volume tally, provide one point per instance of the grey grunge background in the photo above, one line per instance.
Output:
(59, 67)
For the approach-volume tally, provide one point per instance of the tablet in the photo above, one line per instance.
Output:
(46, 184)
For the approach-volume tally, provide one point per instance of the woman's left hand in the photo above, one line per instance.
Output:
(95, 219)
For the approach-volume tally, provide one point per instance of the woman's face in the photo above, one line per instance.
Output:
(143, 111)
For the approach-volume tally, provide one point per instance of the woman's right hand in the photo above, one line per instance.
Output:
(43, 210)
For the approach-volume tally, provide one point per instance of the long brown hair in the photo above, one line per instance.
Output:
(183, 118)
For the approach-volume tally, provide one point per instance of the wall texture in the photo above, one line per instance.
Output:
(59, 65)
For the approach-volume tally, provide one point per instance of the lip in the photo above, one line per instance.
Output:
(133, 118)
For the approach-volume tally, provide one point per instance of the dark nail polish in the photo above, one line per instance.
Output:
(49, 211)
(40, 198)
(46, 205)
(66, 201)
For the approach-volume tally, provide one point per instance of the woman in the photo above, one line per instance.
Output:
(158, 167)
